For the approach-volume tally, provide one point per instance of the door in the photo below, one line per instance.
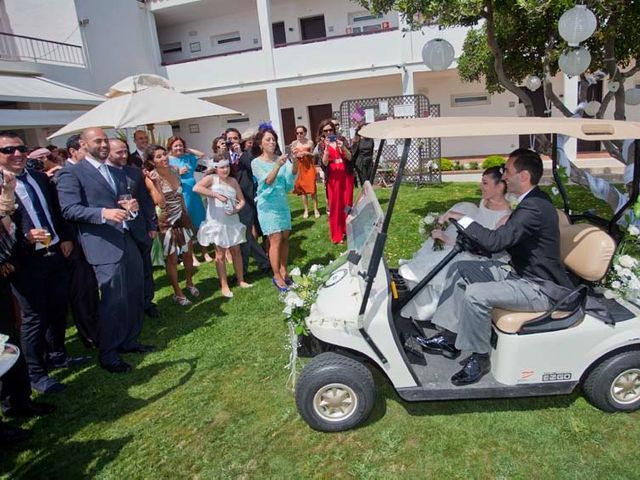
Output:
(288, 125)
(313, 28)
(539, 107)
(317, 113)
(593, 93)
(279, 35)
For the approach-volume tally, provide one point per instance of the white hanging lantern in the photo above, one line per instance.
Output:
(574, 62)
(438, 54)
(632, 96)
(577, 24)
(592, 108)
(533, 82)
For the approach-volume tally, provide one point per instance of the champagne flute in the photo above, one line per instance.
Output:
(46, 241)
(125, 202)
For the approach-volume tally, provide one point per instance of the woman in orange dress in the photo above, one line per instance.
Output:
(305, 183)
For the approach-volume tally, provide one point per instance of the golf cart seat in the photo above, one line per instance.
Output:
(587, 252)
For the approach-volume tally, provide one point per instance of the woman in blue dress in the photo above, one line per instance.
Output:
(275, 176)
(185, 161)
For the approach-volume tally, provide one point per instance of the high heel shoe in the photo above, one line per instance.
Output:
(193, 290)
(228, 294)
(182, 301)
(288, 280)
(282, 289)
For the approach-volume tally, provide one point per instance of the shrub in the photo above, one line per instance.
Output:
(474, 166)
(446, 165)
(493, 161)
(458, 165)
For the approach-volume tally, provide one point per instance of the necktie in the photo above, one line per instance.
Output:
(36, 203)
(104, 170)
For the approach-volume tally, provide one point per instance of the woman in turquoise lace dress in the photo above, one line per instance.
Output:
(185, 161)
(275, 176)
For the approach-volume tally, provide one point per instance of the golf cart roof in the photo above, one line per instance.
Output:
(448, 127)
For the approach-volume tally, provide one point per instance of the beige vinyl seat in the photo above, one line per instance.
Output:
(586, 251)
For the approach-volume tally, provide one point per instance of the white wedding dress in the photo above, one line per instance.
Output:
(424, 304)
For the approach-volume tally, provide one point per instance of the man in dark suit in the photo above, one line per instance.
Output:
(83, 287)
(143, 231)
(534, 280)
(40, 279)
(136, 158)
(241, 168)
(89, 196)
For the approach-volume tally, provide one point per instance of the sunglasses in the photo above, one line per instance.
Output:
(12, 149)
(327, 130)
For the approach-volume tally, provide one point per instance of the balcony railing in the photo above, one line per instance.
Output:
(203, 57)
(21, 48)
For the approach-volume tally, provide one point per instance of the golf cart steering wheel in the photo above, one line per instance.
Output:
(467, 243)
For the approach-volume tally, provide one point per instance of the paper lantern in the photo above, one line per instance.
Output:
(438, 54)
(592, 108)
(632, 96)
(613, 87)
(533, 82)
(577, 24)
(574, 62)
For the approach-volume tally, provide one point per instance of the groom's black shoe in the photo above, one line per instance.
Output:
(438, 345)
(476, 367)
(411, 345)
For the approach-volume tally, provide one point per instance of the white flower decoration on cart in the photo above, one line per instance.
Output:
(623, 279)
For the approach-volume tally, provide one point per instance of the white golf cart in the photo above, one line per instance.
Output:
(357, 317)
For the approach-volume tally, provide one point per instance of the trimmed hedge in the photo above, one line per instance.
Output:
(493, 161)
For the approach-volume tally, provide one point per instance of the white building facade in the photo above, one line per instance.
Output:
(290, 62)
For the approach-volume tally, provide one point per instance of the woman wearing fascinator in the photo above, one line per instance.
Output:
(222, 226)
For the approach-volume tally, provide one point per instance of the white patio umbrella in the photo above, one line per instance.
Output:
(143, 100)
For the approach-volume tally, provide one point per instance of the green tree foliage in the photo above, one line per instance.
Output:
(511, 39)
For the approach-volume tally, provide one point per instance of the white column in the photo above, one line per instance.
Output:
(266, 33)
(570, 101)
(273, 104)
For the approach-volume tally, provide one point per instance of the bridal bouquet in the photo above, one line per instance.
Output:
(623, 280)
(428, 224)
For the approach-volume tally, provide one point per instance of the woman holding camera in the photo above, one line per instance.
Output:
(275, 176)
(185, 160)
(336, 158)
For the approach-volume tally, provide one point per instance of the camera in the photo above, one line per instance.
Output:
(229, 144)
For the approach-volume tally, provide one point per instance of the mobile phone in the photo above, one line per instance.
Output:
(332, 138)
(229, 144)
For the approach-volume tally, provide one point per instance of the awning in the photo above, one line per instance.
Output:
(12, 119)
(17, 88)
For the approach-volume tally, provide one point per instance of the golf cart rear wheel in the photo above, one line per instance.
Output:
(334, 393)
(614, 385)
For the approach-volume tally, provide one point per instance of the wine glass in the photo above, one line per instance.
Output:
(46, 241)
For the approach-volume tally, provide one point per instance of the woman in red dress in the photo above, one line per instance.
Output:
(339, 170)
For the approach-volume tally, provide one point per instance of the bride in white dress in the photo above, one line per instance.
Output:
(222, 227)
(493, 211)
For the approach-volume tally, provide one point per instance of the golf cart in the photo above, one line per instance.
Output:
(358, 319)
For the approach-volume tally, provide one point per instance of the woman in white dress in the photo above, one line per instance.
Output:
(222, 226)
(492, 212)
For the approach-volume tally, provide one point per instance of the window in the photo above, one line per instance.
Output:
(470, 99)
(362, 17)
(225, 39)
(238, 120)
(171, 47)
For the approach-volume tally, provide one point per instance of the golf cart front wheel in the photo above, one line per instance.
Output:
(334, 393)
(614, 385)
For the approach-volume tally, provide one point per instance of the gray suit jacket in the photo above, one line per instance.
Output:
(83, 193)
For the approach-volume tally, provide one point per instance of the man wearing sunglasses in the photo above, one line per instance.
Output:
(40, 280)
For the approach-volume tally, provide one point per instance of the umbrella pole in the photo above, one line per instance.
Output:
(151, 127)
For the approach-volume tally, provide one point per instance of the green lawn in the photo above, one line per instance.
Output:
(212, 401)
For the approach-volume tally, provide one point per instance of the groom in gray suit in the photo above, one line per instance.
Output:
(534, 280)
(89, 196)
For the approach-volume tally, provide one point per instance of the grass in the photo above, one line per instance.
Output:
(212, 401)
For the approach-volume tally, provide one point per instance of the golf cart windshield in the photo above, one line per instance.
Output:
(363, 223)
